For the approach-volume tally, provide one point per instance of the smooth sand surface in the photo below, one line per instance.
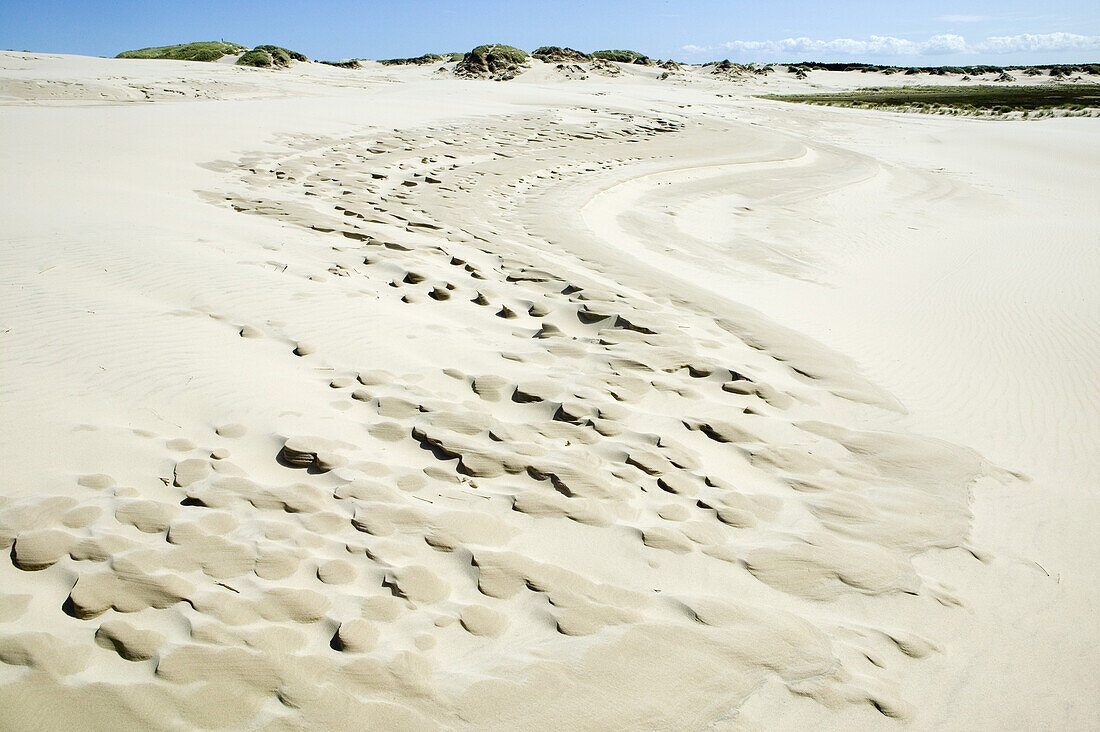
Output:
(380, 398)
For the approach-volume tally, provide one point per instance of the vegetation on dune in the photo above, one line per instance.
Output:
(730, 70)
(200, 51)
(557, 54)
(961, 99)
(624, 57)
(350, 63)
(259, 59)
(282, 56)
(428, 58)
(1057, 70)
(267, 56)
(1069, 70)
(494, 61)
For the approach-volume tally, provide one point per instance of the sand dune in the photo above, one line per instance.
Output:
(363, 398)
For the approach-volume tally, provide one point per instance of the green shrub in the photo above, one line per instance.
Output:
(267, 56)
(556, 54)
(510, 54)
(428, 58)
(282, 56)
(623, 57)
(973, 99)
(201, 51)
(495, 60)
(279, 56)
(349, 64)
(257, 58)
(725, 67)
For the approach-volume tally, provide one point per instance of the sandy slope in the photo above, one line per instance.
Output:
(337, 398)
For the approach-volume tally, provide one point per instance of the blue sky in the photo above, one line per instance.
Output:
(909, 33)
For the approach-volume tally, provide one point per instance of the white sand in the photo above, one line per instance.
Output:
(349, 398)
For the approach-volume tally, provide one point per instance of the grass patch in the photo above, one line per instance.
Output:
(282, 56)
(995, 99)
(556, 54)
(495, 61)
(257, 58)
(428, 58)
(728, 68)
(1056, 70)
(623, 57)
(200, 51)
(261, 56)
(351, 63)
(266, 57)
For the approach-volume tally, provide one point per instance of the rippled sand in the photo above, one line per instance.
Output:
(343, 399)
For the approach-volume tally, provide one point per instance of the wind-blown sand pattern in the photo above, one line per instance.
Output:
(410, 402)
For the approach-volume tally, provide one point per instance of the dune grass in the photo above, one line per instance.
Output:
(266, 56)
(997, 99)
(200, 51)
(495, 61)
(350, 63)
(282, 56)
(258, 58)
(555, 54)
(622, 56)
(427, 58)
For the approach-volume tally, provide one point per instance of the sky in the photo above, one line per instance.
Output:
(913, 33)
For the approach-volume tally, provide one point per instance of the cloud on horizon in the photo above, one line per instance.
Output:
(937, 45)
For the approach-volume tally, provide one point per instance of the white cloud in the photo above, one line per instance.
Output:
(962, 18)
(1030, 42)
(938, 45)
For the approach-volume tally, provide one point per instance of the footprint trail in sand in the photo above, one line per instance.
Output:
(613, 481)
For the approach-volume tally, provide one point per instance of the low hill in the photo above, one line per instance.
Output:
(200, 51)
(270, 56)
(427, 58)
(492, 61)
(555, 54)
(624, 57)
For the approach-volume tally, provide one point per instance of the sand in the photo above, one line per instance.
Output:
(381, 398)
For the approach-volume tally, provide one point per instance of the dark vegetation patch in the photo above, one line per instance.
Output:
(493, 61)
(283, 56)
(556, 54)
(1055, 70)
(996, 99)
(624, 57)
(200, 51)
(267, 56)
(258, 58)
(427, 58)
(729, 70)
(350, 63)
